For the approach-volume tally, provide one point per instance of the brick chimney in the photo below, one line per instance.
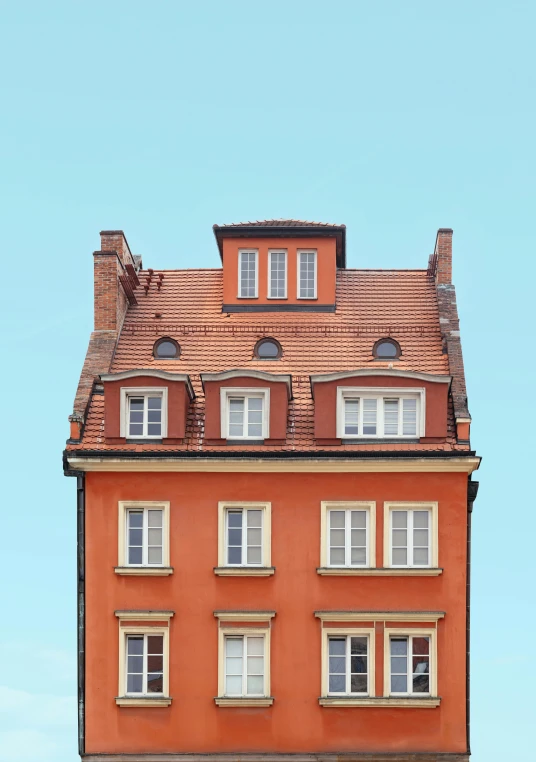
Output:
(443, 252)
(110, 307)
(110, 302)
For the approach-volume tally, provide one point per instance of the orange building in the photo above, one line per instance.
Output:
(274, 502)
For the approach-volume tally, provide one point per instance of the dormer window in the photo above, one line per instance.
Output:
(245, 414)
(144, 413)
(248, 274)
(386, 349)
(306, 274)
(379, 413)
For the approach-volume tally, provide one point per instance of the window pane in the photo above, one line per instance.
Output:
(254, 518)
(154, 682)
(135, 536)
(358, 683)
(135, 663)
(400, 556)
(399, 646)
(337, 665)
(409, 417)
(336, 519)
(154, 518)
(307, 275)
(400, 538)
(369, 417)
(154, 403)
(336, 537)
(154, 555)
(359, 519)
(235, 537)
(337, 683)
(135, 645)
(255, 403)
(420, 538)
(135, 430)
(255, 430)
(421, 684)
(399, 665)
(390, 417)
(386, 349)
(255, 646)
(154, 536)
(135, 518)
(421, 645)
(400, 518)
(358, 645)
(234, 518)
(399, 684)
(255, 665)
(155, 644)
(233, 666)
(337, 646)
(233, 685)
(255, 685)
(420, 519)
(358, 664)
(134, 683)
(254, 555)
(351, 417)
(136, 403)
(234, 646)
(247, 274)
(155, 663)
(154, 429)
(359, 538)
(254, 536)
(234, 556)
(359, 556)
(277, 275)
(336, 556)
(154, 416)
(135, 556)
(420, 556)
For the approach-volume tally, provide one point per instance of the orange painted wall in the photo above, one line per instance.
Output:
(295, 722)
(326, 269)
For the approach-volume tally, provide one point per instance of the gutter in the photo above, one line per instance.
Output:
(81, 613)
(472, 491)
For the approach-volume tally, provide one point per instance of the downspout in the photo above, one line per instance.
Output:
(472, 490)
(81, 506)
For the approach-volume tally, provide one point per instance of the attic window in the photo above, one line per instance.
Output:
(386, 349)
(166, 349)
(268, 349)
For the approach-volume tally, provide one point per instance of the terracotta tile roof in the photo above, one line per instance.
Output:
(371, 304)
(280, 224)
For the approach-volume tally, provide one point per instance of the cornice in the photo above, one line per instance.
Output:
(319, 378)
(164, 375)
(272, 378)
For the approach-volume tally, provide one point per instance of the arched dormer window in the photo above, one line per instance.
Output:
(386, 349)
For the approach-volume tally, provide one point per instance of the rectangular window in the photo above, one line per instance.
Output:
(145, 665)
(244, 540)
(277, 274)
(145, 416)
(348, 537)
(145, 541)
(409, 665)
(246, 415)
(307, 274)
(411, 537)
(348, 667)
(247, 274)
(245, 665)
(379, 416)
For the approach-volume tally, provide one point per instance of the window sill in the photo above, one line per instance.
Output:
(144, 440)
(430, 702)
(380, 440)
(244, 701)
(367, 571)
(144, 571)
(151, 701)
(244, 441)
(244, 571)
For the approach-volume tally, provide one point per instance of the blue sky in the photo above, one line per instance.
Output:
(162, 118)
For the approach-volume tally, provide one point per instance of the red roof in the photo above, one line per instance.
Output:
(371, 304)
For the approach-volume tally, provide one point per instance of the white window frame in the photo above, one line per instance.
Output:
(142, 391)
(406, 632)
(248, 251)
(266, 552)
(299, 254)
(124, 507)
(227, 393)
(380, 393)
(370, 508)
(433, 534)
(277, 251)
(254, 632)
(359, 632)
(124, 632)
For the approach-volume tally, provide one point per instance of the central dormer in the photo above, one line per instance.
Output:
(280, 265)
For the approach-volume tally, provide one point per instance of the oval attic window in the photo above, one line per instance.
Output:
(268, 349)
(386, 349)
(166, 349)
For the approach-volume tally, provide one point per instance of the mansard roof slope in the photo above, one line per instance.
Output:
(187, 307)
